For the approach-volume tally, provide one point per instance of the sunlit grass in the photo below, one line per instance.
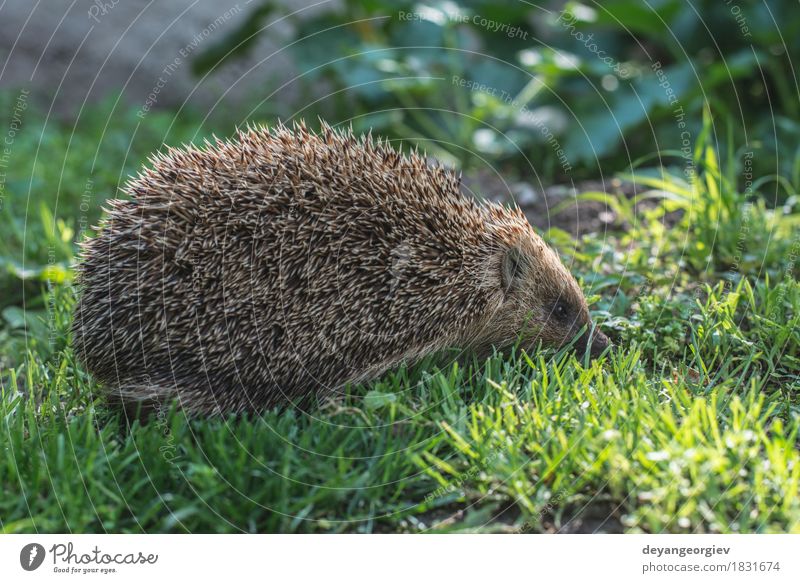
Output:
(705, 442)
(689, 425)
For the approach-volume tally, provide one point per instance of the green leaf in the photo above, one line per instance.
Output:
(14, 317)
(377, 399)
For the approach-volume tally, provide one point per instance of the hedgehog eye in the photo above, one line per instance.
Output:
(561, 311)
(512, 269)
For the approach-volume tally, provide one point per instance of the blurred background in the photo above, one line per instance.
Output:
(536, 104)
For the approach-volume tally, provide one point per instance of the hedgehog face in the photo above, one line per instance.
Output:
(543, 301)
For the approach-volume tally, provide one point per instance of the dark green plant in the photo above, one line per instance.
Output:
(608, 80)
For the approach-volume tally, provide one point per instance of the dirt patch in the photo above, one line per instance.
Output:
(598, 517)
(603, 517)
(555, 206)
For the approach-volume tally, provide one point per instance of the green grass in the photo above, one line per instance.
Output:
(690, 425)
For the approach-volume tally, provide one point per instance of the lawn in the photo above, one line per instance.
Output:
(689, 425)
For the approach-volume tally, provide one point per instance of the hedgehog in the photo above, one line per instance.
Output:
(284, 263)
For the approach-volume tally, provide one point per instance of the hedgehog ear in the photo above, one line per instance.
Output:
(512, 268)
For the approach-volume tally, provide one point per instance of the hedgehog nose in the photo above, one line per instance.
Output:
(599, 343)
(593, 341)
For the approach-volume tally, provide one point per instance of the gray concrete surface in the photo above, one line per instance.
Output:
(69, 53)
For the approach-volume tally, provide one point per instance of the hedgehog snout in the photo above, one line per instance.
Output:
(594, 341)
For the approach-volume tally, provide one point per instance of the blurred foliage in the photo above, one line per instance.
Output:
(56, 178)
(605, 79)
(716, 228)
